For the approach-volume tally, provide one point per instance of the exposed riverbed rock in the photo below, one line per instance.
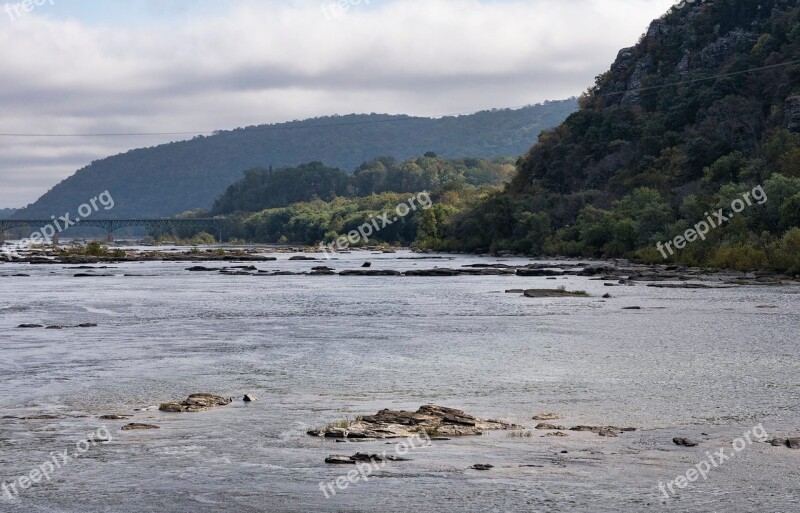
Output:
(684, 442)
(139, 427)
(428, 420)
(196, 403)
(547, 416)
(370, 272)
(482, 467)
(609, 431)
(361, 457)
(550, 427)
(551, 293)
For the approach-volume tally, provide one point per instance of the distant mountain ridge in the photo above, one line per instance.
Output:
(180, 176)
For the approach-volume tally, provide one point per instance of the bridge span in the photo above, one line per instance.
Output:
(109, 225)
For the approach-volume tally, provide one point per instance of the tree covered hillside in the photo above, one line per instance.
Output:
(704, 109)
(180, 176)
(311, 202)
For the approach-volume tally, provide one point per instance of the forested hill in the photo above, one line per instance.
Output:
(187, 175)
(5, 213)
(704, 109)
(678, 101)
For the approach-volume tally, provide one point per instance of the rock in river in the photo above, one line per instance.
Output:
(610, 431)
(139, 427)
(196, 403)
(429, 419)
(482, 466)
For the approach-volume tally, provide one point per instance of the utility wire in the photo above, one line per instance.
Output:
(289, 126)
(703, 79)
(282, 126)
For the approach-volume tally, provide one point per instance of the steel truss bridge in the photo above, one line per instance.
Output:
(109, 225)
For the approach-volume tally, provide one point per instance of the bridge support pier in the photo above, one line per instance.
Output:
(110, 237)
(54, 240)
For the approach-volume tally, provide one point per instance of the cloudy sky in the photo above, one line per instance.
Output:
(193, 66)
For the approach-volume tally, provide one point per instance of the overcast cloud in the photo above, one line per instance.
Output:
(80, 66)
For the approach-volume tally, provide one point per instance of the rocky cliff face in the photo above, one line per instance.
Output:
(793, 113)
(682, 29)
(705, 80)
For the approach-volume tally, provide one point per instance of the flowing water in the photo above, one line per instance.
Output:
(710, 364)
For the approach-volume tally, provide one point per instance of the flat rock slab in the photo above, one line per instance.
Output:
(547, 416)
(549, 293)
(609, 431)
(551, 427)
(482, 466)
(435, 421)
(139, 427)
(361, 457)
(196, 403)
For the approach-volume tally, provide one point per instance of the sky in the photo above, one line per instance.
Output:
(194, 66)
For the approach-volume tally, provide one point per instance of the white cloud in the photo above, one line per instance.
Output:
(271, 61)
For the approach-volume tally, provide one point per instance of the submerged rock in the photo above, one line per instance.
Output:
(30, 326)
(482, 466)
(547, 416)
(338, 459)
(546, 293)
(551, 427)
(684, 442)
(429, 420)
(139, 427)
(369, 272)
(115, 417)
(196, 403)
(610, 431)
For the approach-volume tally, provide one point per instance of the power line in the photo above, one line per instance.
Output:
(703, 79)
(287, 126)
(284, 126)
